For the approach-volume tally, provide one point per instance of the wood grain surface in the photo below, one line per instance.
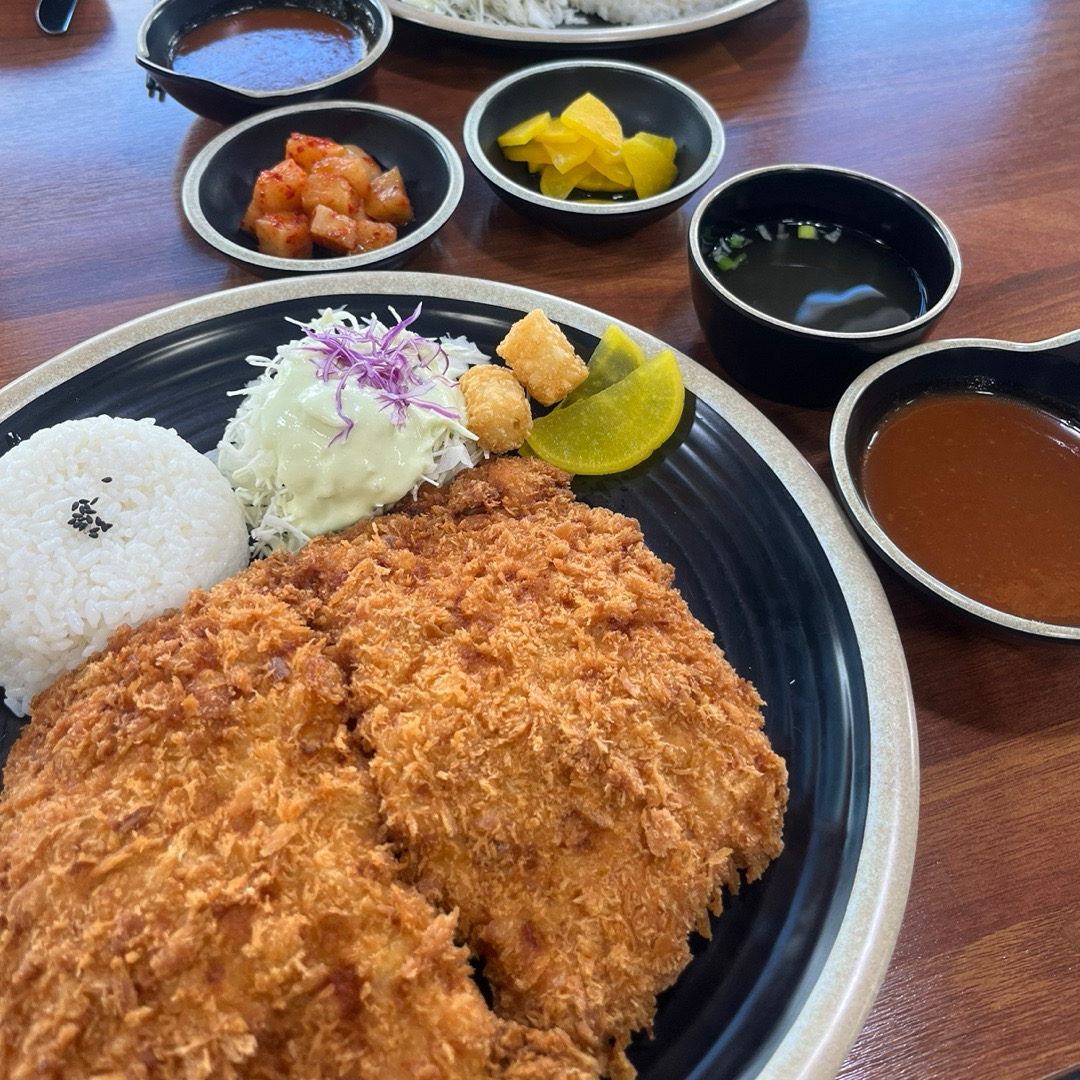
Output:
(973, 106)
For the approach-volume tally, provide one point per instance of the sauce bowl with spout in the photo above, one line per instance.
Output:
(165, 27)
(1043, 376)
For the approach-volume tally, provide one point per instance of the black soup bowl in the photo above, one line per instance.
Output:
(1044, 375)
(643, 100)
(804, 275)
(218, 184)
(167, 23)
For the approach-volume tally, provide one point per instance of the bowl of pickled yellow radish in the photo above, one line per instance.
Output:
(591, 147)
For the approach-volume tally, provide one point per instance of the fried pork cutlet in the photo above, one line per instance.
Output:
(560, 749)
(256, 839)
(194, 882)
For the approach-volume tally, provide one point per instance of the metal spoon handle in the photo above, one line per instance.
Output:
(54, 16)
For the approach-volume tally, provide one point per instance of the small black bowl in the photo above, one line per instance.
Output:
(798, 364)
(171, 19)
(218, 184)
(1044, 373)
(642, 99)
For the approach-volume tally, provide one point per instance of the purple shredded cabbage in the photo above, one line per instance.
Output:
(390, 364)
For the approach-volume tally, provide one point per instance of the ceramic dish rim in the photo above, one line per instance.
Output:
(852, 500)
(819, 1036)
(189, 193)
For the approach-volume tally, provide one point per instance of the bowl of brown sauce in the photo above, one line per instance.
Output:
(804, 275)
(958, 462)
(228, 59)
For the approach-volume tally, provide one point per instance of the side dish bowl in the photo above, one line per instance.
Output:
(809, 362)
(643, 100)
(170, 20)
(218, 185)
(1045, 374)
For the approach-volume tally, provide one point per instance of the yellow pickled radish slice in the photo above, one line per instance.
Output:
(564, 156)
(534, 154)
(524, 132)
(594, 182)
(557, 185)
(589, 116)
(618, 427)
(662, 143)
(651, 170)
(614, 357)
(612, 166)
(557, 132)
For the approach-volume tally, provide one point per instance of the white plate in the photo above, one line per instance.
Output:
(591, 33)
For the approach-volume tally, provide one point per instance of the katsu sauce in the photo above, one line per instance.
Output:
(982, 490)
(266, 49)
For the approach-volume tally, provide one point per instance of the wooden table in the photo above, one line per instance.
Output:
(973, 107)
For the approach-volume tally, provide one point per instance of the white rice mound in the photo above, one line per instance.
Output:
(175, 526)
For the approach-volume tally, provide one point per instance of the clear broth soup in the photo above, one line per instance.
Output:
(825, 277)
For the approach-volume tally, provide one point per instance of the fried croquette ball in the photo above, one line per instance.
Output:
(542, 359)
(496, 409)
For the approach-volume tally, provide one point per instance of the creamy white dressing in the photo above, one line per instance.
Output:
(299, 468)
(334, 480)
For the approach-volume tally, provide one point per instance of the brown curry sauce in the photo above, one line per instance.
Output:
(982, 490)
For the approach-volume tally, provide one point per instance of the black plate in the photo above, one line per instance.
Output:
(762, 557)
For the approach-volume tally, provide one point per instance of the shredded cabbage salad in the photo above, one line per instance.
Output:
(411, 382)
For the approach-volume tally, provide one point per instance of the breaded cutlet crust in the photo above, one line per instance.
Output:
(262, 836)
(193, 879)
